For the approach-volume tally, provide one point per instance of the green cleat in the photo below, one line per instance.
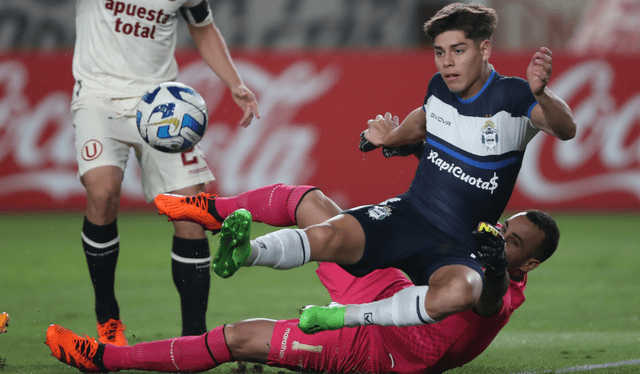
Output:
(314, 318)
(235, 244)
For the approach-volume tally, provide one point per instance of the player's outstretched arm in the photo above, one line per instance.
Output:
(552, 115)
(215, 53)
(493, 257)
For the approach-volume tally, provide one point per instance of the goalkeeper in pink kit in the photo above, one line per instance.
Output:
(523, 242)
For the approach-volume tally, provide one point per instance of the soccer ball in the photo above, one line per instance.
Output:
(172, 117)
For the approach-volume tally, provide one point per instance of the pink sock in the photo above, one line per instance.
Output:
(184, 354)
(274, 205)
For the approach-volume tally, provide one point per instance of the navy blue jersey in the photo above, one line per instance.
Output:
(472, 157)
(473, 152)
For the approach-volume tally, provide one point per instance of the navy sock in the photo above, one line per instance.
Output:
(101, 247)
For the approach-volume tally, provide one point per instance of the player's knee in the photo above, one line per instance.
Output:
(321, 240)
(315, 208)
(236, 338)
(453, 294)
(466, 292)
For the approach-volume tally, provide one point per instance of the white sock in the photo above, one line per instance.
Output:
(405, 308)
(282, 249)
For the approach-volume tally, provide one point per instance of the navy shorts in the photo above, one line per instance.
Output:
(397, 235)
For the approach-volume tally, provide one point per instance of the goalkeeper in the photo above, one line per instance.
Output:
(529, 239)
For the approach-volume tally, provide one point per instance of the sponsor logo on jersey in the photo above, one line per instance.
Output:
(283, 345)
(489, 135)
(440, 119)
(457, 172)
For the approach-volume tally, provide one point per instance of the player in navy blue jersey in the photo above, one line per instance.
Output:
(475, 125)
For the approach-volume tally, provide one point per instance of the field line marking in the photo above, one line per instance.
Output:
(588, 367)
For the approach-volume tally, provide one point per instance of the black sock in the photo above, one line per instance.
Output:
(190, 268)
(101, 247)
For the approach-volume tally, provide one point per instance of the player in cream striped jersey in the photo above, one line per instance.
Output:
(122, 49)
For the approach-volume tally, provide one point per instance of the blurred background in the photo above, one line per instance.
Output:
(320, 70)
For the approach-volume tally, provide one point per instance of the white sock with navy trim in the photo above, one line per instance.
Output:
(405, 308)
(282, 249)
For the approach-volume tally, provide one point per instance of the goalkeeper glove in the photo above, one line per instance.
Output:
(491, 251)
(416, 149)
(365, 145)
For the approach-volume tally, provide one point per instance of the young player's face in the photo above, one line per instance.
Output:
(522, 238)
(462, 64)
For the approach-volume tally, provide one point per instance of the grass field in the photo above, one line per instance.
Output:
(582, 305)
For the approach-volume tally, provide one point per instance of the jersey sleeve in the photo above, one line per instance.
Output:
(197, 12)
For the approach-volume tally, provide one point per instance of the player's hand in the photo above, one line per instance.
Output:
(491, 251)
(539, 70)
(378, 129)
(365, 145)
(246, 100)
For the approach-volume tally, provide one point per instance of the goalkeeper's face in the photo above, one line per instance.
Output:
(522, 240)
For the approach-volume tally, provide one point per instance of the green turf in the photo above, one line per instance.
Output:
(582, 305)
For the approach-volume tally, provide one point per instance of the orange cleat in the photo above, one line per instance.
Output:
(4, 322)
(189, 208)
(77, 351)
(112, 332)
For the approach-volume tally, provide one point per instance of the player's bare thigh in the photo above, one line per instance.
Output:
(339, 239)
(315, 208)
(452, 289)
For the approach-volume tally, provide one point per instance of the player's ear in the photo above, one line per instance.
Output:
(485, 49)
(529, 265)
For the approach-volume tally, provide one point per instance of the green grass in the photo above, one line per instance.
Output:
(582, 305)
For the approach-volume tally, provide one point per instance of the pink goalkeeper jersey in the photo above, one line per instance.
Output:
(434, 348)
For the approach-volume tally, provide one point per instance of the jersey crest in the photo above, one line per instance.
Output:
(489, 135)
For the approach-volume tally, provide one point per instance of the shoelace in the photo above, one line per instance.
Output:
(84, 347)
(200, 201)
(113, 329)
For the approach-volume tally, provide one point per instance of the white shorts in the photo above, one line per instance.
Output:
(105, 132)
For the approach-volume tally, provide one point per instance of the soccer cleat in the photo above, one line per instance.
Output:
(112, 332)
(235, 244)
(77, 351)
(4, 322)
(189, 208)
(314, 318)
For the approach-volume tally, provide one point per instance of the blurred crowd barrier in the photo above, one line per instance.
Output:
(48, 24)
(314, 104)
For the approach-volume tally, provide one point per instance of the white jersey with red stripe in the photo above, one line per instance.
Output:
(123, 48)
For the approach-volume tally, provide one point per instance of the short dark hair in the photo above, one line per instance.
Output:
(477, 21)
(548, 225)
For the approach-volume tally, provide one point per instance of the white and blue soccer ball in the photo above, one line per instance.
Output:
(172, 117)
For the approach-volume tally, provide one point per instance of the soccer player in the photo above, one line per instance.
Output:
(530, 237)
(476, 124)
(122, 49)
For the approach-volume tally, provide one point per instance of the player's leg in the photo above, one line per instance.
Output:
(183, 173)
(190, 261)
(101, 161)
(184, 354)
(101, 244)
(339, 239)
(276, 205)
(452, 289)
